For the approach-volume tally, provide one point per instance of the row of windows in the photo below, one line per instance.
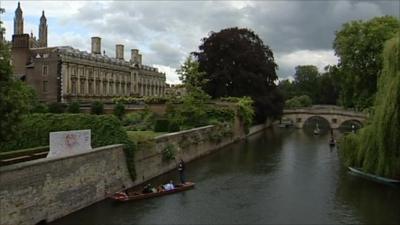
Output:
(94, 88)
(101, 74)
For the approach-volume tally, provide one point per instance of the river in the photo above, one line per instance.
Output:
(280, 176)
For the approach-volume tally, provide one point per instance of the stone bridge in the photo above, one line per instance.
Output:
(334, 115)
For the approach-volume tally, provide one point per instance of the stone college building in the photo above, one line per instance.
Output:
(64, 74)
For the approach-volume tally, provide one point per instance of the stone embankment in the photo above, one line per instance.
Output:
(47, 189)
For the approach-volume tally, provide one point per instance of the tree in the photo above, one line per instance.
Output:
(15, 97)
(287, 88)
(359, 47)
(237, 63)
(97, 108)
(74, 107)
(306, 81)
(376, 148)
(119, 110)
(189, 73)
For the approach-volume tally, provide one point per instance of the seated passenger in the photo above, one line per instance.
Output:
(147, 189)
(169, 186)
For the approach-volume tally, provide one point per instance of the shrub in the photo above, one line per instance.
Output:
(119, 110)
(169, 152)
(173, 126)
(74, 107)
(97, 108)
(161, 125)
(143, 120)
(40, 108)
(298, 101)
(57, 107)
(35, 128)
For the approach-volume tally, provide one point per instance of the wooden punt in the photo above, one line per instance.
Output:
(123, 197)
(374, 177)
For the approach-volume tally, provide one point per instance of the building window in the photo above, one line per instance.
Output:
(45, 86)
(82, 91)
(74, 87)
(298, 120)
(105, 88)
(334, 120)
(44, 70)
(90, 87)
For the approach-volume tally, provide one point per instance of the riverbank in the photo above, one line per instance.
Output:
(47, 189)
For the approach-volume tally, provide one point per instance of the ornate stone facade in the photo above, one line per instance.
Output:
(65, 74)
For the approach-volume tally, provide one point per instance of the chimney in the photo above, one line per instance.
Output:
(139, 59)
(134, 56)
(119, 51)
(96, 45)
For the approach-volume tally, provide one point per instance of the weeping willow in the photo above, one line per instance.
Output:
(376, 148)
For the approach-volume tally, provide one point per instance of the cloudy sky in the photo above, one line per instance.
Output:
(298, 32)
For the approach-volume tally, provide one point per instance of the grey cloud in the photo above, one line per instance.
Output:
(168, 31)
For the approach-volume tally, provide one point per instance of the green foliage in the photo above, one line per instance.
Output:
(220, 131)
(161, 125)
(246, 112)
(97, 108)
(141, 100)
(56, 107)
(193, 110)
(128, 100)
(321, 88)
(359, 46)
(155, 100)
(119, 110)
(143, 139)
(173, 127)
(236, 63)
(377, 146)
(298, 102)
(140, 121)
(306, 81)
(74, 107)
(190, 74)
(35, 128)
(169, 152)
(40, 108)
(16, 98)
(221, 114)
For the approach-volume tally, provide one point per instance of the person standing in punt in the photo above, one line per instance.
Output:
(181, 170)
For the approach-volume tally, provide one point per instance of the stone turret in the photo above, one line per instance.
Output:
(43, 31)
(18, 21)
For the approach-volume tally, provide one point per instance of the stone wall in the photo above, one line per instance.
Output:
(47, 189)
(188, 145)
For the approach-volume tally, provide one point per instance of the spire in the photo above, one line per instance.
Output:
(18, 21)
(43, 18)
(43, 31)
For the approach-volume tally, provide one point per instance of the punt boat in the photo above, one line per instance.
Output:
(123, 197)
(374, 177)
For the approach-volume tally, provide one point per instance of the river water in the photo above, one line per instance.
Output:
(280, 176)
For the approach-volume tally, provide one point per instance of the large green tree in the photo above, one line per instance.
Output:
(376, 148)
(237, 63)
(359, 47)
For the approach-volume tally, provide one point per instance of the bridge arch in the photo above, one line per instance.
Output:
(347, 124)
(336, 116)
(322, 121)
